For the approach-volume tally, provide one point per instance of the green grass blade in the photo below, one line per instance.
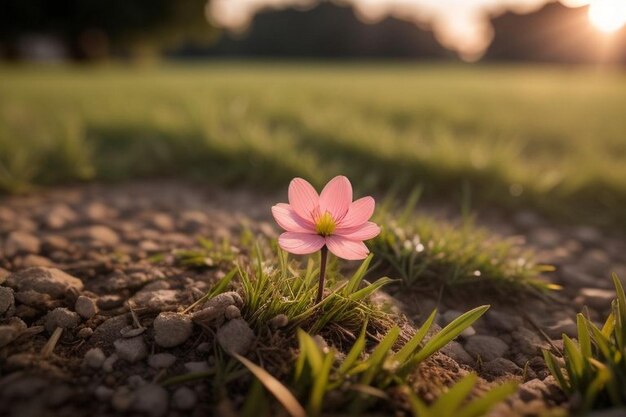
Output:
(355, 351)
(482, 405)
(377, 358)
(584, 340)
(357, 277)
(448, 333)
(412, 345)
(447, 405)
(555, 370)
(278, 390)
(316, 400)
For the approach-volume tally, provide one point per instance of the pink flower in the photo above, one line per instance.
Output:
(331, 218)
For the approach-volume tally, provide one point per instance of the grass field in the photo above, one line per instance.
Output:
(553, 139)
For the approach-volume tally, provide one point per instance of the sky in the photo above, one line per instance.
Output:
(461, 25)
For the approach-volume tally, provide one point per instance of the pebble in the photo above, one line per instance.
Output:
(225, 299)
(7, 301)
(532, 390)
(103, 393)
(61, 317)
(596, 298)
(172, 329)
(151, 399)
(131, 331)
(566, 325)
(21, 243)
(197, 367)
(7, 334)
(184, 398)
(34, 260)
(161, 360)
(85, 307)
(108, 364)
(528, 342)
(232, 312)
(280, 321)
(501, 367)
(235, 336)
(109, 331)
(502, 321)
(59, 217)
(456, 352)
(122, 399)
(94, 358)
(487, 347)
(204, 347)
(545, 237)
(574, 276)
(85, 333)
(131, 350)
(101, 234)
(157, 300)
(50, 281)
(109, 302)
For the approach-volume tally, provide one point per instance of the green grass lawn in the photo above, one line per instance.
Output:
(548, 138)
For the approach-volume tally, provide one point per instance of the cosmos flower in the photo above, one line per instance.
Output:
(330, 219)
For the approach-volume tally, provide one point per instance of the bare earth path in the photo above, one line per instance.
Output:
(107, 360)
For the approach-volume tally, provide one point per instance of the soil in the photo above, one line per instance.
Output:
(89, 260)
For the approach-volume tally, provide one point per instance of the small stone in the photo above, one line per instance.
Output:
(49, 281)
(566, 325)
(108, 364)
(225, 299)
(574, 276)
(279, 321)
(101, 234)
(197, 367)
(545, 237)
(7, 301)
(94, 358)
(163, 222)
(597, 298)
(160, 300)
(131, 350)
(130, 331)
(59, 217)
(136, 381)
(235, 336)
(456, 352)
(501, 367)
(61, 317)
(161, 360)
(528, 342)
(21, 243)
(172, 329)
(502, 321)
(232, 312)
(85, 333)
(35, 260)
(122, 399)
(109, 302)
(7, 334)
(86, 307)
(103, 393)
(532, 390)
(204, 347)
(109, 331)
(487, 347)
(151, 399)
(184, 398)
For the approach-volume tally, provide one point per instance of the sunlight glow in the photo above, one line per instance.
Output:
(608, 15)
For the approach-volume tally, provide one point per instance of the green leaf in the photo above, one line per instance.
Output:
(355, 351)
(319, 386)
(357, 277)
(448, 333)
(448, 403)
(278, 390)
(583, 336)
(377, 358)
(412, 345)
(482, 405)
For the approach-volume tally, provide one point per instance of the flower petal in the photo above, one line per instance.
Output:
(363, 232)
(300, 243)
(359, 212)
(336, 197)
(287, 218)
(346, 248)
(303, 198)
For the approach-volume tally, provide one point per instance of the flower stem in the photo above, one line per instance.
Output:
(323, 259)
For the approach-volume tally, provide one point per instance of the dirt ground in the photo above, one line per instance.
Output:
(82, 258)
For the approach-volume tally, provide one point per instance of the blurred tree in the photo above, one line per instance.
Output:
(93, 29)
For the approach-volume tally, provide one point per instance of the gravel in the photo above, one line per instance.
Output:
(94, 358)
(7, 301)
(184, 399)
(61, 317)
(131, 350)
(50, 281)
(172, 329)
(151, 399)
(85, 307)
(487, 347)
(236, 336)
(161, 360)
(21, 243)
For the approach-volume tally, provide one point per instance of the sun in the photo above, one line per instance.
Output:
(608, 15)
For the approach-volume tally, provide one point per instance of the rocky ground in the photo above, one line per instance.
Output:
(91, 324)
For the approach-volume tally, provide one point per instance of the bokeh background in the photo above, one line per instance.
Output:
(509, 103)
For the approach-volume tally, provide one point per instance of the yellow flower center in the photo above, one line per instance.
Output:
(325, 224)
